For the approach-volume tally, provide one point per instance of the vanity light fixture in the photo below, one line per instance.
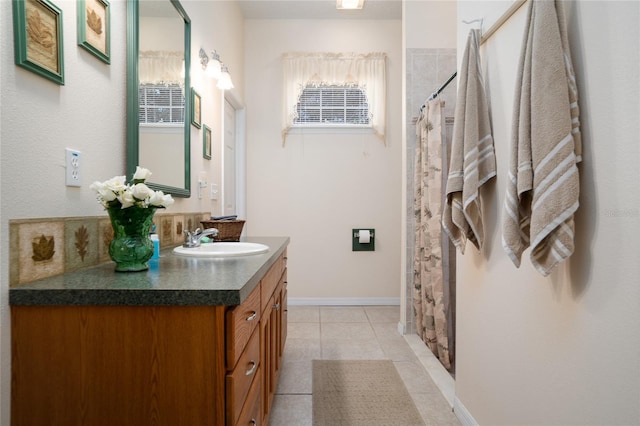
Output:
(224, 82)
(349, 4)
(214, 69)
(204, 59)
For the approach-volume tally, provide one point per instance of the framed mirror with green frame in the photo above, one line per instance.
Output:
(158, 89)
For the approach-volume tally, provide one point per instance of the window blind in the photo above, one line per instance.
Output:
(334, 105)
(161, 104)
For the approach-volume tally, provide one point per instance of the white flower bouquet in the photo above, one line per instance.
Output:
(116, 193)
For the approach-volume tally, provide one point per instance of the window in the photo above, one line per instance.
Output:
(161, 104)
(340, 91)
(332, 105)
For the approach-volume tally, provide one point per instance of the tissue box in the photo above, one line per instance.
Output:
(228, 230)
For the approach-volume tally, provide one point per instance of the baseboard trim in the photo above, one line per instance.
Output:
(343, 301)
(463, 414)
(440, 376)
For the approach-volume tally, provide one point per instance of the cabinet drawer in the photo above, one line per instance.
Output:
(239, 380)
(271, 279)
(241, 321)
(250, 414)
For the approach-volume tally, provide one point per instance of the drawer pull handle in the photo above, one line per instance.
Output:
(276, 306)
(251, 370)
(253, 422)
(252, 316)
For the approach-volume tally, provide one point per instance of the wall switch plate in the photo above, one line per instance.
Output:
(73, 166)
(214, 191)
(201, 185)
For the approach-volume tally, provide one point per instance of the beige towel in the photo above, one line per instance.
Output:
(473, 160)
(542, 190)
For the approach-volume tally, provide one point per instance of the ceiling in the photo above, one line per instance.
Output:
(318, 9)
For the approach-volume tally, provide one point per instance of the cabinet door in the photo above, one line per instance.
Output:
(272, 332)
(117, 365)
(270, 282)
(265, 360)
(284, 320)
(274, 344)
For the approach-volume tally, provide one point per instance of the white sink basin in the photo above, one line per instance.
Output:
(222, 249)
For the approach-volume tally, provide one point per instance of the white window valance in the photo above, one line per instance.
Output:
(367, 71)
(161, 67)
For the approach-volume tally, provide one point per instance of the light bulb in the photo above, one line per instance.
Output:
(224, 82)
(213, 69)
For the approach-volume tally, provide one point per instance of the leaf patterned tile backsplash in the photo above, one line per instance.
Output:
(42, 248)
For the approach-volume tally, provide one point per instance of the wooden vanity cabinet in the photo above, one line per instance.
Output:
(149, 365)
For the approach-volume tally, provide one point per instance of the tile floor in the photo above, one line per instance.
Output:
(350, 332)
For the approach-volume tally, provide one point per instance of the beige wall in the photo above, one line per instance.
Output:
(39, 119)
(318, 187)
(563, 349)
(430, 24)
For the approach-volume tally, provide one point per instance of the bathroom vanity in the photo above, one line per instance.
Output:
(188, 342)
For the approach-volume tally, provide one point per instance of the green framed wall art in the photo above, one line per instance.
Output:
(206, 142)
(94, 28)
(38, 45)
(196, 112)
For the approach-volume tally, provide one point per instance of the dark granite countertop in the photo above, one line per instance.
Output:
(170, 281)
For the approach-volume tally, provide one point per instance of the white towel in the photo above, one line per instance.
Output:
(473, 160)
(543, 188)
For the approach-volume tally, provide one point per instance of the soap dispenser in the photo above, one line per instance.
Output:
(155, 239)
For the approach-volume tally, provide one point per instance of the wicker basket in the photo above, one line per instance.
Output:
(228, 230)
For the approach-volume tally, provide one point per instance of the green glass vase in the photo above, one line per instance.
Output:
(131, 247)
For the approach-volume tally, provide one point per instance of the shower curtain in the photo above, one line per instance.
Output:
(429, 274)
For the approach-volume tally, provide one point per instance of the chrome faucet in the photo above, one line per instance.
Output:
(193, 239)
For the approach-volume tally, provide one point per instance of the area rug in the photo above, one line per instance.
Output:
(371, 393)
